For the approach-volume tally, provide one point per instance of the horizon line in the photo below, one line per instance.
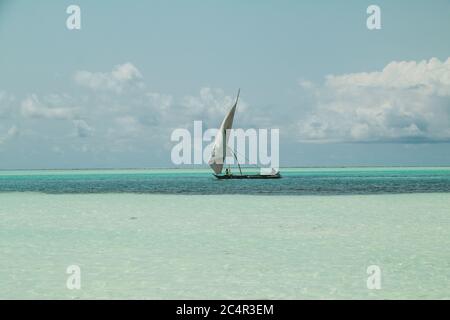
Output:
(190, 168)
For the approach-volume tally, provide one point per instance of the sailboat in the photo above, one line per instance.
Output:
(220, 148)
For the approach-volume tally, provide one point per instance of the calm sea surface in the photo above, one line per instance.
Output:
(181, 234)
(313, 181)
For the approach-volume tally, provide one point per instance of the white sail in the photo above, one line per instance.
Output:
(218, 153)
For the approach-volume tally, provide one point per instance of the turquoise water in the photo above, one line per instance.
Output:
(158, 243)
(314, 181)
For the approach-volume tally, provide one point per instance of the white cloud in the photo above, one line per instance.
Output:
(160, 101)
(210, 105)
(150, 109)
(125, 127)
(128, 124)
(32, 107)
(83, 130)
(6, 101)
(406, 101)
(10, 134)
(121, 77)
(431, 77)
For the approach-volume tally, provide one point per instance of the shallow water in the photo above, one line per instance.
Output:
(212, 247)
(314, 181)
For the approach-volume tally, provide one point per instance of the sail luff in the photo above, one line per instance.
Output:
(218, 153)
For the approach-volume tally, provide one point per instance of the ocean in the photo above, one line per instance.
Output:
(311, 181)
(181, 234)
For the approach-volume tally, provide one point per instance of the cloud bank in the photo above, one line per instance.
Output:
(54, 107)
(119, 79)
(115, 112)
(407, 101)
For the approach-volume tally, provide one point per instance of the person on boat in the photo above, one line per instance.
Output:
(227, 172)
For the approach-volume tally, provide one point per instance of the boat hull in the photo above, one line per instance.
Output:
(247, 176)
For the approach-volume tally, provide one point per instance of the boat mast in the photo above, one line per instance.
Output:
(237, 161)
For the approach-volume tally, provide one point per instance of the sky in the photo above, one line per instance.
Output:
(110, 94)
